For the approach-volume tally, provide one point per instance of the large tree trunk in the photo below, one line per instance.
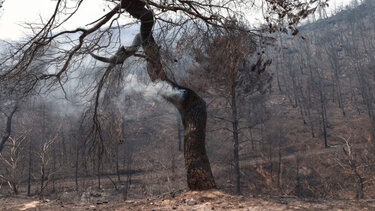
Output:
(191, 107)
(193, 113)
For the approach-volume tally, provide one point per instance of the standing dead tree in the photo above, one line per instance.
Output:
(231, 71)
(11, 163)
(9, 105)
(351, 162)
(45, 176)
(191, 107)
(8, 129)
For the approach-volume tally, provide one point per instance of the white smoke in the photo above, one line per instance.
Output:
(153, 90)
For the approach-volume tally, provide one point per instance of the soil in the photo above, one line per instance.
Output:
(190, 200)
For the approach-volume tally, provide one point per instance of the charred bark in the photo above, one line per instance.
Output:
(191, 107)
(236, 156)
(8, 129)
(193, 112)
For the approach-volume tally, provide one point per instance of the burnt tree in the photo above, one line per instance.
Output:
(8, 128)
(192, 108)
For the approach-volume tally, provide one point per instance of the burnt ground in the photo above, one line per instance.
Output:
(191, 200)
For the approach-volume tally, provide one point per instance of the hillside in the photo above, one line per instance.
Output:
(305, 143)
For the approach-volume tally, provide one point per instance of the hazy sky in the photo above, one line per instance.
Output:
(17, 12)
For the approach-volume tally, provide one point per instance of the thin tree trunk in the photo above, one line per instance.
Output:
(251, 139)
(298, 188)
(64, 157)
(76, 166)
(311, 122)
(29, 171)
(128, 176)
(293, 76)
(98, 169)
(236, 141)
(270, 158)
(117, 165)
(341, 103)
(359, 181)
(54, 169)
(324, 124)
(42, 175)
(279, 170)
(14, 187)
(8, 129)
(277, 76)
(43, 155)
(357, 177)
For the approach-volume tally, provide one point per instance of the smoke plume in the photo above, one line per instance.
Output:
(154, 90)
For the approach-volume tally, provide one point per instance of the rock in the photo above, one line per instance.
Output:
(284, 202)
(172, 194)
(96, 195)
(191, 202)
